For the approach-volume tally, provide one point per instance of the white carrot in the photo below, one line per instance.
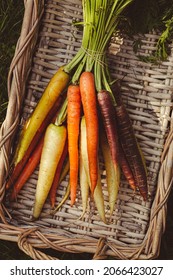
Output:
(53, 146)
(84, 177)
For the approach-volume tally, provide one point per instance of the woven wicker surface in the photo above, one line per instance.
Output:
(135, 228)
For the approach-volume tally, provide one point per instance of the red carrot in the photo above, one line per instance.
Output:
(29, 168)
(56, 179)
(130, 147)
(126, 168)
(73, 127)
(17, 169)
(107, 108)
(89, 102)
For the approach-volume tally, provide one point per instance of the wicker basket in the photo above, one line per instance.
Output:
(48, 40)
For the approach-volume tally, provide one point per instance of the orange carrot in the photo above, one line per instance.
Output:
(73, 126)
(89, 102)
(28, 170)
(56, 179)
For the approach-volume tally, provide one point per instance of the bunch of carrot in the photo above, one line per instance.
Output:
(79, 115)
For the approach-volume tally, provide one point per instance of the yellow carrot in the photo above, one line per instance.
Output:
(54, 141)
(53, 90)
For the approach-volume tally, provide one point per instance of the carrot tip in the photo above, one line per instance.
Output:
(12, 198)
(72, 203)
(145, 197)
(53, 205)
(7, 186)
(73, 199)
(93, 189)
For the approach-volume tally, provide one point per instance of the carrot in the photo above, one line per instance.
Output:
(55, 87)
(142, 157)
(15, 172)
(107, 109)
(29, 168)
(130, 148)
(18, 166)
(99, 198)
(84, 187)
(112, 173)
(21, 134)
(73, 124)
(63, 174)
(57, 176)
(109, 119)
(53, 147)
(98, 193)
(89, 102)
(126, 168)
(63, 200)
(65, 170)
(84, 175)
(66, 195)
